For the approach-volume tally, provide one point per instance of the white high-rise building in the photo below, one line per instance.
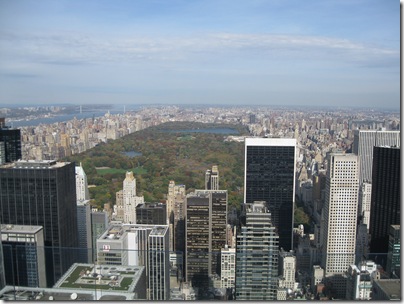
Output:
(365, 195)
(287, 265)
(228, 267)
(212, 179)
(82, 192)
(340, 217)
(130, 200)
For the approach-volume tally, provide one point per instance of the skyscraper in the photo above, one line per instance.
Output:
(340, 218)
(206, 220)
(84, 232)
(269, 176)
(99, 224)
(385, 201)
(257, 255)
(159, 264)
(81, 184)
(364, 141)
(176, 205)
(24, 255)
(130, 200)
(394, 254)
(12, 142)
(212, 179)
(43, 193)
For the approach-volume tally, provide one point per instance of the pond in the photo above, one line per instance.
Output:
(132, 153)
(208, 130)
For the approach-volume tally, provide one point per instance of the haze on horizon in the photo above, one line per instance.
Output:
(261, 52)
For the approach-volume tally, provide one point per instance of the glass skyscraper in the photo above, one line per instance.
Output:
(270, 176)
(43, 193)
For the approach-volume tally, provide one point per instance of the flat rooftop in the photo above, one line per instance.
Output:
(34, 164)
(101, 277)
(20, 229)
(9, 293)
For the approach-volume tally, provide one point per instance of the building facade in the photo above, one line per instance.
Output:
(12, 142)
(24, 255)
(228, 267)
(257, 256)
(176, 206)
(151, 214)
(212, 179)
(364, 141)
(393, 267)
(85, 252)
(99, 224)
(385, 204)
(206, 221)
(82, 192)
(269, 175)
(360, 280)
(340, 218)
(159, 264)
(43, 193)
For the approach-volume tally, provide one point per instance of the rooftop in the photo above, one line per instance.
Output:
(101, 277)
(23, 229)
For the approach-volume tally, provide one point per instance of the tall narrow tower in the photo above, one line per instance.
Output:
(257, 256)
(340, 218)
(206, 222)
(269, 176)
(212, 179)
(385, 202)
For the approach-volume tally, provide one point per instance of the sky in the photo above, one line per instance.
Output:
(233, 52)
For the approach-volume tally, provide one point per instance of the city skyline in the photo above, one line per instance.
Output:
(202, 52)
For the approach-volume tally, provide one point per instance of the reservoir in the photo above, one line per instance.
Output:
(207, 130)
(131, 153)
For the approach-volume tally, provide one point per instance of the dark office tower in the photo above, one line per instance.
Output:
(151, 214)
(385, 201)
(206, 220)
(212, 179)
(2, 272)
(394, 255)
(257, 256)
(12, 142)
(269, 176)
(43, 193)
(99, 224)
(364, 141)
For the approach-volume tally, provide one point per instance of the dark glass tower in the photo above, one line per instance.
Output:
(206, 220)
(385, 201)
(269, 176)
(43, 193)
(12, 142)
(151, 214)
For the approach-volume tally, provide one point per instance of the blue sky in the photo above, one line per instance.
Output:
(342, 52)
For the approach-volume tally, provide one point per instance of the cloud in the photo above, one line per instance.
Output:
(79, 49)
